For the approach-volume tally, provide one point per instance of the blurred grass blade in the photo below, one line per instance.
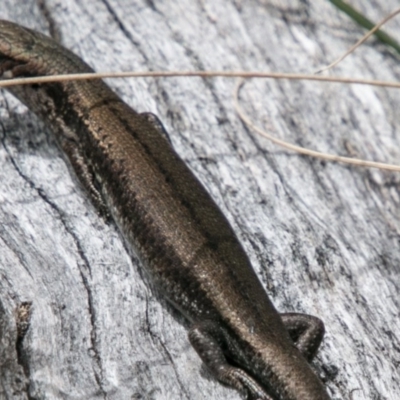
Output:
(366, 23)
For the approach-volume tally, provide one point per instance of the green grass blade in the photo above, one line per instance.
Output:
(366, 23)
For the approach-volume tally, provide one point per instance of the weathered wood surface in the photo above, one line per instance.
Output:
(324, 238)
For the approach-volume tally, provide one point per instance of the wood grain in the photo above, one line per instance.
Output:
(324, 238)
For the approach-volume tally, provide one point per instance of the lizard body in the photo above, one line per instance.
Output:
(185, 243)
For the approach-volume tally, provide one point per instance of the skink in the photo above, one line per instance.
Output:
(130, 170)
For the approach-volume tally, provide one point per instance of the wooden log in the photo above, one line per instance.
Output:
(323, 237)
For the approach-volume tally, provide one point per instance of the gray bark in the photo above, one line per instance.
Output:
(324, 238)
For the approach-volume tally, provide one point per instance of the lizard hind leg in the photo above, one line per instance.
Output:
(208, 341)
(306, 331)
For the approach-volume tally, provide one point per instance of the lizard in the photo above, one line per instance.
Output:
(132, 173)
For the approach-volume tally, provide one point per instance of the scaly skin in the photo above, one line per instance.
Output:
(184, 241)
